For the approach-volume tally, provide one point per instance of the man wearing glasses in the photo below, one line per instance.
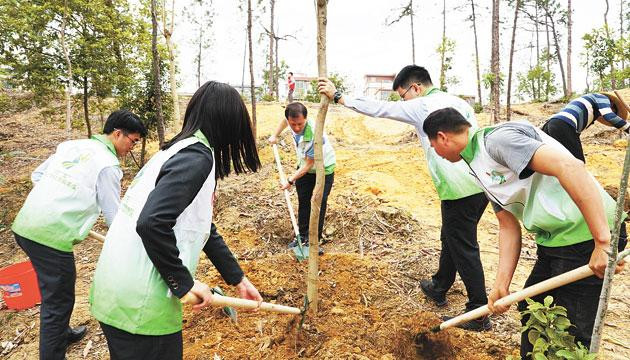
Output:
(462, 201)
(71, 188)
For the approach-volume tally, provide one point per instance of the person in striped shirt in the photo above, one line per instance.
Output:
(567, 125)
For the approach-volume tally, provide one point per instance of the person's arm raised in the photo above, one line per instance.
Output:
(581, 187)
(273, 139)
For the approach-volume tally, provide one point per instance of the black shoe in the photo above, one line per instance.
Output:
(76, 334)
(481, 324)
(428, 288)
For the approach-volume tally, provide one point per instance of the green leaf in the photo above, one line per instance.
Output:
(566, 354)
(532, 336)
(548, 300)
(540, 316)
(562, 323)
(540, 345)
(539, 356)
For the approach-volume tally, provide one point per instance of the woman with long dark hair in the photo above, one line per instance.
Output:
(164, 222)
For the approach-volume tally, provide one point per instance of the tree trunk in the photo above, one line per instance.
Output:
(443, 52)
(316, 199)
(276, 76)
(270, 79)
(623, 42)
(569, 45)
(168, 32)
(156, 76)
(251, 65)
(538, 80)
(86, 113)
(199, 56)
(613, 81)
(509, 83)
(548, 86)
(143, 150)
(413, 41)
(558, 54)
(66, 55)
(244, 58)
(474, 20)
(612, 257)
(495, 61)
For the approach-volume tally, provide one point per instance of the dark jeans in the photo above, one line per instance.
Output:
(581, 298)
(460, 250)
(304, 187)
(56, 275)
(566, 135)
(127, 346)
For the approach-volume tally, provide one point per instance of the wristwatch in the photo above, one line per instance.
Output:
(291, 182)
(337, 96)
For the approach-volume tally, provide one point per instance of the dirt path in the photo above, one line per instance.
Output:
(382, 204)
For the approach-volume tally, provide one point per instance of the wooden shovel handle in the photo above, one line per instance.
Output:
(287, 196)
(539, 288)
(220, 300)
(97, 236)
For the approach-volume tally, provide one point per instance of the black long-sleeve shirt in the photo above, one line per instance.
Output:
(180, 179)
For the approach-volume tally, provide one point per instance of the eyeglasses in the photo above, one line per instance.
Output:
(133, 141)
(402, 97)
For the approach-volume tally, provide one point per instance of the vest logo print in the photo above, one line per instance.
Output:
(81, 158)
(496, 177)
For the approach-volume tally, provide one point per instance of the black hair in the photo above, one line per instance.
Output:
(126, 121)
(219, 112)
(295, 109)
(411, 74)
(444, 120)
(290, 73)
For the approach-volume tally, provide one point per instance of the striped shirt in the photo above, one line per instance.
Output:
(583, 111)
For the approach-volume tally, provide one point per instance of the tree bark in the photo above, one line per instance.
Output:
(413, 41)
(613, 81)
(539, 96)
(86, 113)
(168, 32)
(271, 39)
(474, 20)
(623, 42)
(316, 199)
(495, 68)
(548, 86)
(558, 53)
(569, 47)
(66, 55)
(276, 76)
(251, 65)
(156, 76)
(509, 83)
(612, 257)
(443, 52)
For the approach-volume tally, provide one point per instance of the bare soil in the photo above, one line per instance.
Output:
(382, 233)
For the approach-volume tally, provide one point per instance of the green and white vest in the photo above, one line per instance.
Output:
(128, 293)
(539, 201)
(452, 180)
(305, 142)
(61, 208)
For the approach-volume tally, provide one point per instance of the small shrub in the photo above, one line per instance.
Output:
(547, 325)
(394, 96)
(478, 108)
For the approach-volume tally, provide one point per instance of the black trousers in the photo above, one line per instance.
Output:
(460, 250)
(581, 298)
(304, 187)
(566, 135)
(56, 276)
(127, 346)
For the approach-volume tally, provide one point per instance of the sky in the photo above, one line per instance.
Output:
(359, 41)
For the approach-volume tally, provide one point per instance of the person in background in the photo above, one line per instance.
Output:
(304, 178)
(71, 188)
(152, 249)
(291, 85)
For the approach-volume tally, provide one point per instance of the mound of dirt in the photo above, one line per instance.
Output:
(359, 317)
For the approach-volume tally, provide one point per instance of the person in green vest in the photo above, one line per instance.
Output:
(153, 246)
(531, 177)
(71, 188)
(304, 177)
